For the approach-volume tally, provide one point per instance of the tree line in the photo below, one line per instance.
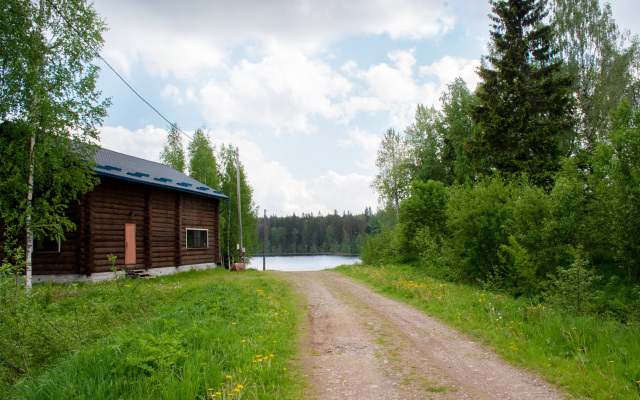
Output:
(216, 167)
(529, 184)
(311, 234)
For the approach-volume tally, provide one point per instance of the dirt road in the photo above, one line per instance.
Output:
(362, 345)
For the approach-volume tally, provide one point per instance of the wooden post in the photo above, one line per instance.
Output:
(264, 241)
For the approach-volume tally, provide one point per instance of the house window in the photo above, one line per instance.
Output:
(44, 244)
(197, 238)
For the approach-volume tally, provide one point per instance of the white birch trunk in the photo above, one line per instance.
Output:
(29, 247)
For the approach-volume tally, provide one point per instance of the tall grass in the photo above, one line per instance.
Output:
(213, 335)
(587, 356)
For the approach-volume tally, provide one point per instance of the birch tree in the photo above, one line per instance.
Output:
(604, 61)
(202, 161)
(51, 109)
(173, 152)
(393, 178)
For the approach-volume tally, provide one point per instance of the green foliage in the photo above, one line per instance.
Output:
(202, 162)
(424, 139)
(573, 288)
(617, 181)
(436, 140)
(423, 210)
(229, 230)
(47, 93)
(392, 181)
(173, 152)
(476, 219)
(380, 249)
(525, 105)
(458, 129)
(601, 58)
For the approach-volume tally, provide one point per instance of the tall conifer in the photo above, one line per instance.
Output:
(525, 106)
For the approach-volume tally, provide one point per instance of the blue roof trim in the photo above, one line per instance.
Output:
(137, 174)
(109, 167)
(133, 169)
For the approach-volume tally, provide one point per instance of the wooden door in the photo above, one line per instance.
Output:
(129, 244)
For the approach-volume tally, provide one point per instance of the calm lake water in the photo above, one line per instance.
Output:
(302, 263)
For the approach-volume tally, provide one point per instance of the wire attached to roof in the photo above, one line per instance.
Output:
(172, 125)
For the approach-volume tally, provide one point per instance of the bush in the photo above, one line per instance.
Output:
(425, 209)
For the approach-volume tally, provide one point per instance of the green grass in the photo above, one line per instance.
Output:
(202, 335)
(586, 356)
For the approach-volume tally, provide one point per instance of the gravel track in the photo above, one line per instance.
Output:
(362, 345)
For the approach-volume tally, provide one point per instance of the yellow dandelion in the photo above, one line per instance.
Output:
(228, 376)
(236, 390)
(240, 387)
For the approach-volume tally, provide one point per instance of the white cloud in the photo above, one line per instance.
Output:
(283, 90)
(146, 143)
(448, 68)
(344, 192)
(172, 93)
(367, 145)
(190, 36)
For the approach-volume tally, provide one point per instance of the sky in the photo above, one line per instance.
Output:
(304, 88)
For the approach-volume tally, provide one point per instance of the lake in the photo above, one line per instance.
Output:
(302, 263)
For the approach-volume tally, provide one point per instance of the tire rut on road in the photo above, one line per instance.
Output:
(362, 345)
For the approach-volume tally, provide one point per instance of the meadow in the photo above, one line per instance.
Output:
(587, 356)
(198, 335)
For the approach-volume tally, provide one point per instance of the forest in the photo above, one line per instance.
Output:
(315, 234)
(530, 184)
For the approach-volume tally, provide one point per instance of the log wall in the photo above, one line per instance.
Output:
(161, 217)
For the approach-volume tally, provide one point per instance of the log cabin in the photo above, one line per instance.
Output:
(153, 218)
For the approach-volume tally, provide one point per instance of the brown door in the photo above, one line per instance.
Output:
(129, 244)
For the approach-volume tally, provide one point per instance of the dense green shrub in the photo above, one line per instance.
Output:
(423, 211)
(476, 224)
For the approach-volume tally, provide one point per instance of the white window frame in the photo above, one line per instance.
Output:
(187, 238)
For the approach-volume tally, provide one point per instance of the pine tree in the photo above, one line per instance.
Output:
(525, 107)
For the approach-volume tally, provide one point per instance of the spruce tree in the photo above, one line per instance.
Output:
(525, 106)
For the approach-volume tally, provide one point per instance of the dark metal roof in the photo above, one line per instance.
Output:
(134, 169)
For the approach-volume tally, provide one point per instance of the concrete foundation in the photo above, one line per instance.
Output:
(105, 276)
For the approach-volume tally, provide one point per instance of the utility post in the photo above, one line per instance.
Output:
(240, 248)
(264, 241)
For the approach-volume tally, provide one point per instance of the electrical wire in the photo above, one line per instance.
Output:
(97, 53)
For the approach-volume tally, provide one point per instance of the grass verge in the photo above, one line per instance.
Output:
(587, 356)
(209, 335)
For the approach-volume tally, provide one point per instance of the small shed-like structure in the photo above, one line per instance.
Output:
(149, 215)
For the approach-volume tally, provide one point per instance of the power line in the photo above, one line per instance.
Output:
(174, 126)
